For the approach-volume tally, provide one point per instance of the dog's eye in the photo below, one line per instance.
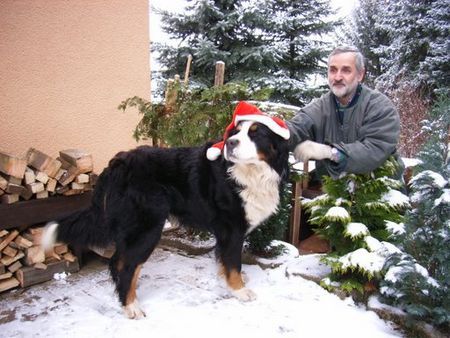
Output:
(254, 127)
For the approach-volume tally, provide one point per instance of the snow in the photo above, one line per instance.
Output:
(444, 198)
(437, 179)
(183, 297)
(355, 229)
(337, 213)
(395, 228)
(367, 261)
(395, 199)
(396, 272)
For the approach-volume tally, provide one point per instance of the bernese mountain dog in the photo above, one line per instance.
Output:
(140, 189)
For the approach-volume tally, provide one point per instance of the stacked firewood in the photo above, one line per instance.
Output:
(40, 176)
(24, 262)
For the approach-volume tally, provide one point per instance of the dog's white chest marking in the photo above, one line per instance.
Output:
(259, 193)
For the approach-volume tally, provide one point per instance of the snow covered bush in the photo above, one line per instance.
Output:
(418, 279)
(359, 215)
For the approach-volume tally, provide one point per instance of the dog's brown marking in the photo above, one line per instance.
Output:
(233, 277)
(131, 297)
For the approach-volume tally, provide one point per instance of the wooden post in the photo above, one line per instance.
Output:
(188, 68)
(301, 185)
(296, 216)
(171, 94)
(220, 72)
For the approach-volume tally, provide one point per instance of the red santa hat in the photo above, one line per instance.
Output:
(247, 112)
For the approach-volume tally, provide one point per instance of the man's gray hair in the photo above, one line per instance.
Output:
(349, 49)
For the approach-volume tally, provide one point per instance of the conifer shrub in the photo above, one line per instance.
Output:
(358, 215)
(417, 279)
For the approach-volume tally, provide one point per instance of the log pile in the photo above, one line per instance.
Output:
(23, 261)
(40, 176)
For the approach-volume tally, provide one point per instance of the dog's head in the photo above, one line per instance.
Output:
(253, 137)
(252, 142)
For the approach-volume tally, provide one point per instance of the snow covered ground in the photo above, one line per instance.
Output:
(184, 297)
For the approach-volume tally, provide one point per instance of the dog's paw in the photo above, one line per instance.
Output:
(133, 311)
(244, 294)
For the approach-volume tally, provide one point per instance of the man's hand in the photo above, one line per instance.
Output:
(309, 150)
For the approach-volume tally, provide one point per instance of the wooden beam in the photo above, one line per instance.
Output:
(30, 275)
(25, 213)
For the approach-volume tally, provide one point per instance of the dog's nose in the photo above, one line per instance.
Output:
(232, 143)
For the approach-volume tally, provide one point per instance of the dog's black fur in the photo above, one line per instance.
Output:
(140, 188)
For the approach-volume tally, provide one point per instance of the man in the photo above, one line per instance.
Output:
(352, 128)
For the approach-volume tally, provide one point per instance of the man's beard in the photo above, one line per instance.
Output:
(341, 90)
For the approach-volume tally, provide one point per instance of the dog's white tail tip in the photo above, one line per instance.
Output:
(49, 235)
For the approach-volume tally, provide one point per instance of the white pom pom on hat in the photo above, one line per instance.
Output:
(214, 151)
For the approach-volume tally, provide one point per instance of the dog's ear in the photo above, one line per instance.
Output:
(279, 158)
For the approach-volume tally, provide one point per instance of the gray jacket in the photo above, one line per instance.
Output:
(368, 134)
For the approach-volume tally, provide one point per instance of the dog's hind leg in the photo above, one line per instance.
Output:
(125, 269)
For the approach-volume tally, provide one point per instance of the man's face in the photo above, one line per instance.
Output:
(343, 77)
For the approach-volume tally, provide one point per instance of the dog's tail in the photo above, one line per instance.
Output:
(82, 229)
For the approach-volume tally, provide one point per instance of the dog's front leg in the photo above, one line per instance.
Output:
(229, 256)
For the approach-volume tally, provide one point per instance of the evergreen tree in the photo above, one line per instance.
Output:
(418, 279)
(406, 43)
(364, 32)
(294, 28)
(415, 26)
(268, 43)
(358, 215)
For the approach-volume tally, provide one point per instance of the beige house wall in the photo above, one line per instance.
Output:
(65, 66)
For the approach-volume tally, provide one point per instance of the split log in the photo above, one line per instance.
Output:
(36, 187)
(30, 176)
(42, 177)
(51, 185)
(9, 198)
(8, 284)
(15, 266)
(72, 192)
(69, 257)
(3, 183)
(23, 243)
(9, 260)
(77, 186)
(34, 255)
(9, 251)
(8, 239)
(6, 275)
(42, 194)
(82, 178)
(42, 162)
(14, 189)
(26, 194)
(11, 165)
(68, 175)
(61, 249)
(78, 158)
